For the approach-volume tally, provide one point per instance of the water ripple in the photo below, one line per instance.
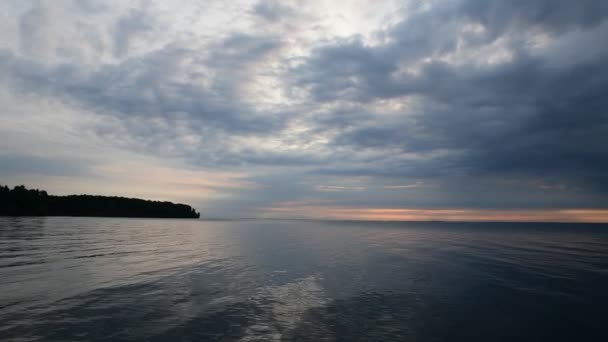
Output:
(165, 280)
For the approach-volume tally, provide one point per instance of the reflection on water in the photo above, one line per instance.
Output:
(166, 280)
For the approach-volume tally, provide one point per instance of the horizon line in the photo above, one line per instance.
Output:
(384, 221)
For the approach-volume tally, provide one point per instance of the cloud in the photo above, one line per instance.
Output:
(463, 215)
(519, 116)
(11, 165)
(437, 104)
(272, 10)
(150, 85)
(128, 27)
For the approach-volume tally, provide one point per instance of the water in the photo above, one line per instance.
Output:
(88, 279)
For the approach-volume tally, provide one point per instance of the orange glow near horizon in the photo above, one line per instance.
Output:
(291, 209)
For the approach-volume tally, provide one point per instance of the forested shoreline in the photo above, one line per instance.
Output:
(21, 201)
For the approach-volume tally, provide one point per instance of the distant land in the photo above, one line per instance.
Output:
(21, 201)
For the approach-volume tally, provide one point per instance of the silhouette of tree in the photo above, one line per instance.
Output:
(23, 202)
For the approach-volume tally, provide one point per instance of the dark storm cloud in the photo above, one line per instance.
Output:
(556, 16)
(350, 68)
(530, 115)
(525, 108)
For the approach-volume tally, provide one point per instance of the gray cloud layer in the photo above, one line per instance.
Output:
(497, 104)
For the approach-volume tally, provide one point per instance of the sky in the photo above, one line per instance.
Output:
(356, 109)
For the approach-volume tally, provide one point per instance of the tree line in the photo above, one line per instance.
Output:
(21, 201)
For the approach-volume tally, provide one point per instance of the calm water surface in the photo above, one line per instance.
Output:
(65, 279)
